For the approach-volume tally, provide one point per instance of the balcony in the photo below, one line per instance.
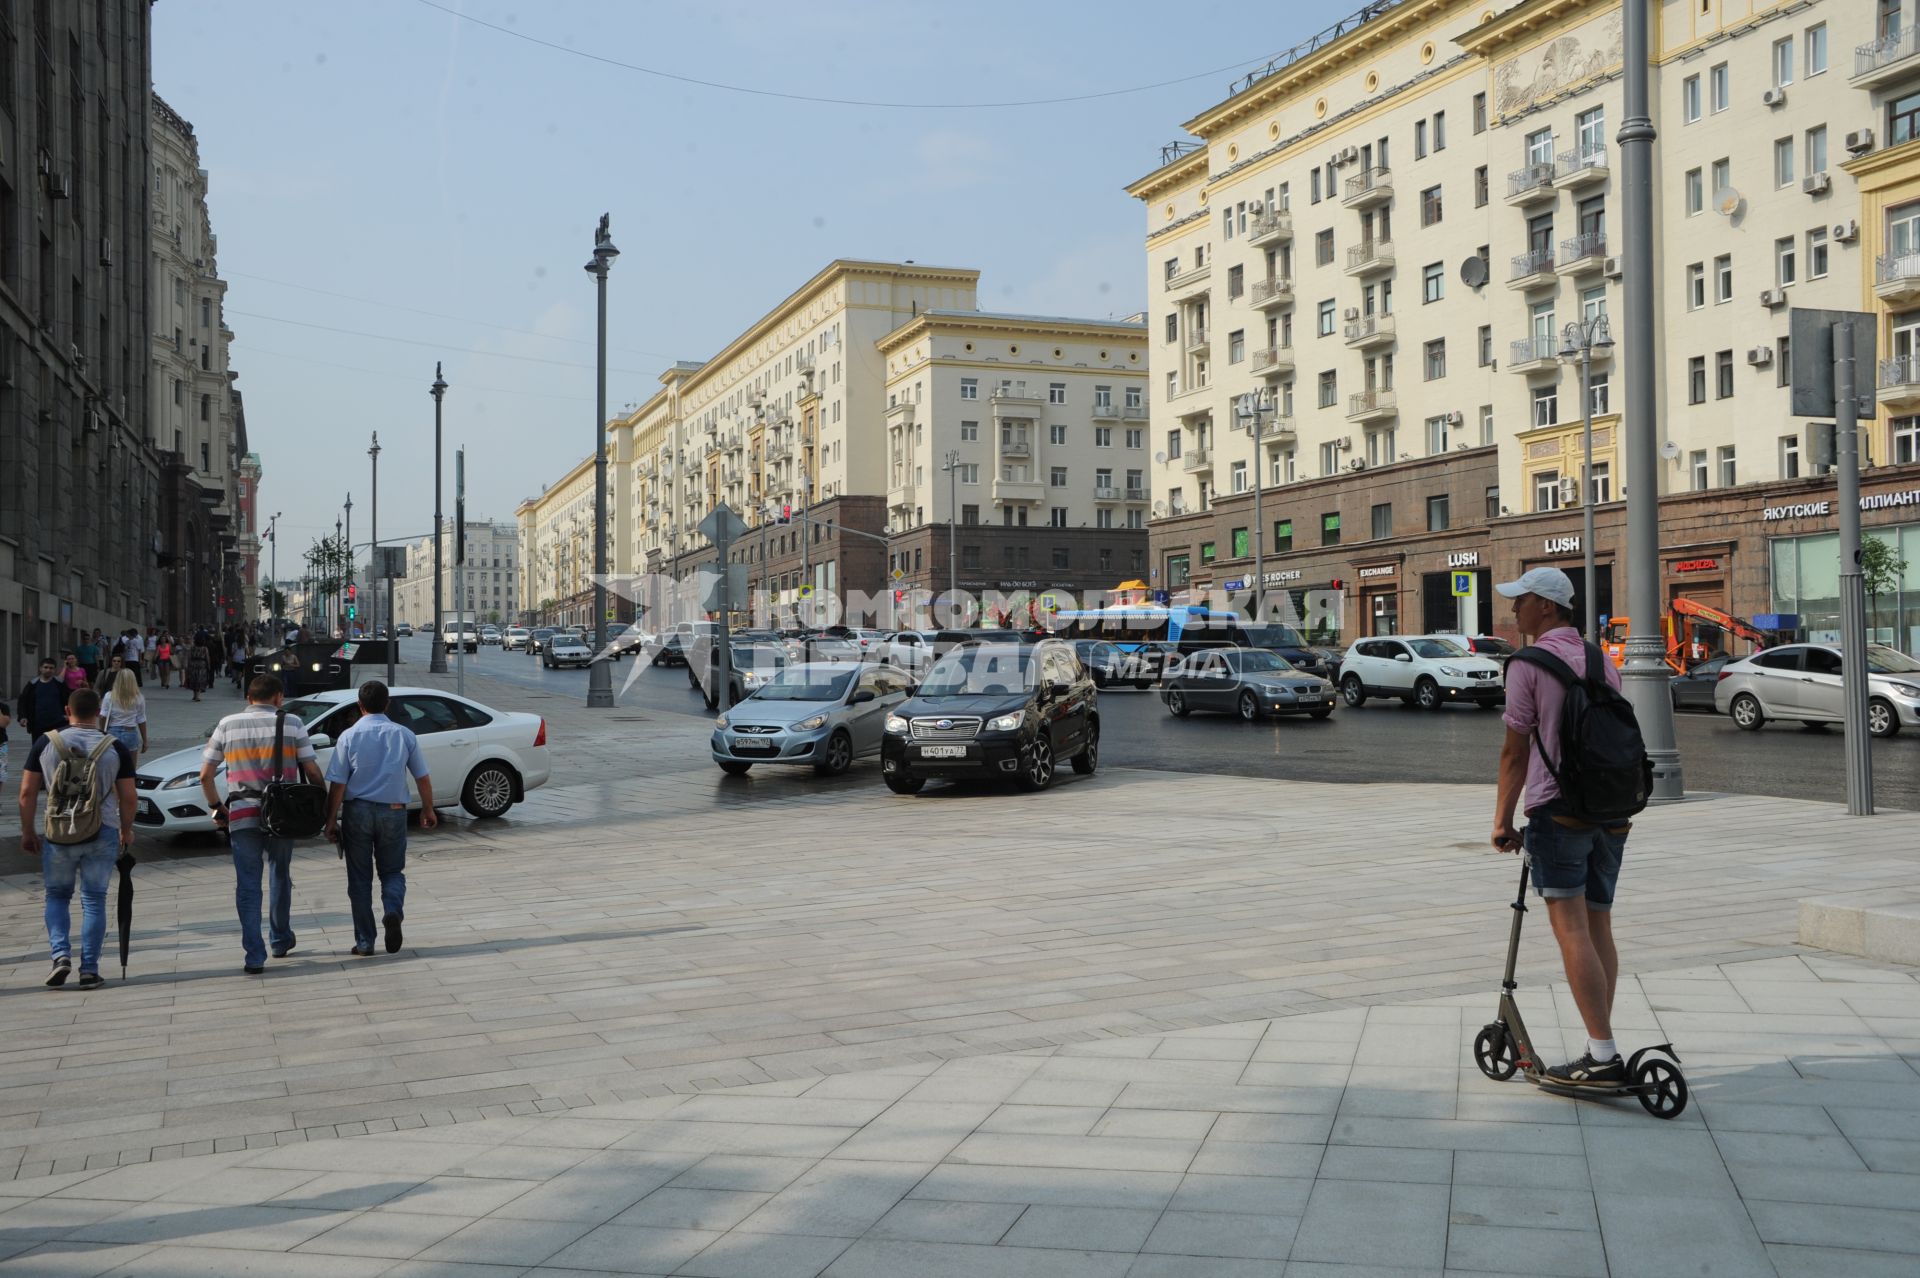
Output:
(900, 414)
(1579, 169)
(1020, 492)
(1198, 339)
(1370, 257)
(1370, 331)
(1364, 190)
(778, 451)
(1105, 492)
(1278, 432)
(1887, 59)
(1273, 361)
(1020, 447)
(1191, 280)
(1133, 412)
(1533, 354)
(1270, 228)
(1269, 294)
(1896, 277)
(1372, 406)
(1899, 382)
(1196, 460)
(1584, 254)
(1105, 411)
(1136, 494)
(1532, 269)
(901, 495)
(1531, 184)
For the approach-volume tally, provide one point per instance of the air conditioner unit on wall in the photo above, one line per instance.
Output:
(1353, 313)
(1344, 443)
(1760, 356)
(1612, 269)
(1349, 154)
(1455, 417)
(1859, 141)
(1846, 232)
(1774, 98)
(1816, 183)
(1772, 297)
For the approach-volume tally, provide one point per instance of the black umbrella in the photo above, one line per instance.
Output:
(125, 908)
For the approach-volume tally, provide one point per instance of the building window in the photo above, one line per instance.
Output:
(1436, 359)
(1480, 187)
(1718, 93)
(1236, 281)
(1330, 529)
(1690, 98)
(1783, 361)
(1133, 397)
(1697, 380)
(1486, 425)
(1056, 392)
(1600, 484)
(1546, 491)
(1493, 503)
(1817, 253)
(970, 514)
(1329, 394)
(1103, 437)
(1436, 435)
(1439, 130)
(1430, 208)
(1060, 559)
(1057, 476)
(1546, 406)
(206, 409)
(1727, 473)
(1382, 521)
(1237, 478)
(1237, 346)
(1723, 279)
(969, 432)
(1789, 457)
(1329, 459)
(1783, 62)
(1816, 149)
(1323, 247)
(1419, 139)
(1906, 439)
(1696, 193)
(1208, 553)
(1696, 286)
(1598, 394)
(1437, 514)
(1722, 170)
(1433, 282)
(1816, 49)
(1723, 375)
(1326, 318)
(969, 388)
(1056, 516)
(1783, 161)
(1056, 434)
(1479, 113)
(1173, 445)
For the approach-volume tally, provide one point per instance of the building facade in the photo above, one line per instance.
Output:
(488, 580)
(74, 240)
(1391, 233)
(246, 525)
(553, 536)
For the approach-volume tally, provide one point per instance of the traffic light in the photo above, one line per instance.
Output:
(352, 612)
(353, 592)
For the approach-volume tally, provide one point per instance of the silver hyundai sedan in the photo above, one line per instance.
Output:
(823, 713)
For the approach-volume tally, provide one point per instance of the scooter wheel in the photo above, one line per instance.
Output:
(1493, 1053)
(1664, 1088)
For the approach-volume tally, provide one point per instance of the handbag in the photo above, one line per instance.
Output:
(290, 809)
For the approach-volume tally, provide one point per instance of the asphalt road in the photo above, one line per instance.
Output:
(1382, 741)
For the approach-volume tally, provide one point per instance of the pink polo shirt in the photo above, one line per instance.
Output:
(1535, 698)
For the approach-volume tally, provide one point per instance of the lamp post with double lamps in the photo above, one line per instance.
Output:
(277, 606)
(1580, 339)
(437, 660)
(599, 677)
(1253, 409)
(952, 467)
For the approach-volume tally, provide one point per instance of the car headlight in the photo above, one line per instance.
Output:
(896, 724)
(721, 722)
(1905, 689)
(182, 781)
(1005, 722)
(808, 725)
(1453, 672)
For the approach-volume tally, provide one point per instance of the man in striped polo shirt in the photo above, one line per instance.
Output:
(244, 742)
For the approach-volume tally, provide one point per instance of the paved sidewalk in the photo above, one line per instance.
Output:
(1340, 1144)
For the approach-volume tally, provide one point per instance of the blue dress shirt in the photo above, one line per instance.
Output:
(372, 758)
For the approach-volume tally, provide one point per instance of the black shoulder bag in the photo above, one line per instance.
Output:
(292, 809)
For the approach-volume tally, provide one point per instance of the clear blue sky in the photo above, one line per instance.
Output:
(371, 160)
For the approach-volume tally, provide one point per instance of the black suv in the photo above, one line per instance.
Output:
(995, 709)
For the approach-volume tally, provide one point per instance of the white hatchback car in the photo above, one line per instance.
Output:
(482, 759)
(1424, 670)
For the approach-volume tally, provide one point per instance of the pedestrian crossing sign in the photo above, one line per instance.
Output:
(1462, 584)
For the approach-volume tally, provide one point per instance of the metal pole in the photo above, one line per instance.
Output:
(337, 604)
(348, 547)
(1853, 595)
(437, 660)
(1586, 498)
(373, 555)
(1644, 677)
(599, 677)
(1259, 519)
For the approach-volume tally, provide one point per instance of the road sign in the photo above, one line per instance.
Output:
(898, 573)
(722, 525)
(1462, 584)
(610, 614)
(1049, 603)
(717, 593)
(806, 591)
(1810, 349)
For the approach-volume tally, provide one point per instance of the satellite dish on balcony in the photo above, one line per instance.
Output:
(1729, 202)
(1159, 508)
(1473, 271)
(1161, 458)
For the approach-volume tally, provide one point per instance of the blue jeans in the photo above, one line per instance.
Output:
(90, 865)
(374, 837)
(251, 849)
(128, 736)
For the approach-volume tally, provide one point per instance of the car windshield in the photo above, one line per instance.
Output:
(1274, 635)
(1488, 644)
(1888, 661)
(543, 634)
(311, 711)
(1254, 661)
(998, 670)
(806, 683)
(1436, 648)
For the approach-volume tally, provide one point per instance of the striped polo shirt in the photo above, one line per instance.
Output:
(244, 742)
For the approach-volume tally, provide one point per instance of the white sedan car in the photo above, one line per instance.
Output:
(482, 759)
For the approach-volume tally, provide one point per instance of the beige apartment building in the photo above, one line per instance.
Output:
(488, 581)
(553, 536)
(1388, 232)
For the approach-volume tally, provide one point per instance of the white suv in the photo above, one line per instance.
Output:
(1427, 670)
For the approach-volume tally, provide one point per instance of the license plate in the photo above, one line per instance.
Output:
(147, 809)
(757, 747)
(943, 752)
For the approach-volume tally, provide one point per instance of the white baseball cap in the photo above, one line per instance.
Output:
(1549, 583)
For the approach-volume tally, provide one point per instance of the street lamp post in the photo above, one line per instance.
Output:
(337, 606)
(952, 467)
(1581, 338)
(276, 606)
(373, 556)
(437, 661)
(347, 546)
(599, 677)
(1253, 407)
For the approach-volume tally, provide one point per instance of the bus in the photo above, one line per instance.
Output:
(1143, 629)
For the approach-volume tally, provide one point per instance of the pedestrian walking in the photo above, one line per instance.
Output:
(163, 658)
(104, 684)
(244, 742)
(1576, 864)
(6, 720)
(367, 813)
(237, 661)
(42, 702)
(135, 650)
(73, 674)
(199, 667)
(123, 713)
(86, 655)
(88, 777)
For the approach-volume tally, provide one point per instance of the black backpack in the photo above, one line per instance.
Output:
(1604, 773)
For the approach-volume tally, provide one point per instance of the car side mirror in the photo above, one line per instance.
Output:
(1060, 689)
(861, 697)
(1401, 656)
(319, 740)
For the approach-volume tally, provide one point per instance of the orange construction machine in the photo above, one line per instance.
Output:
(1684, 627)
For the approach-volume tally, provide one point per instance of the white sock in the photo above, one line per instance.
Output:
(1602, 1049)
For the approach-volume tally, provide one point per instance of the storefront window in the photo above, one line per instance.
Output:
(1282, 536)
(1806, 582)
(1329, 530)
(1240, 550)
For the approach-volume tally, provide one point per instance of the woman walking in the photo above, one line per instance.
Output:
(124, 713)
(163, 657)
(199, 667)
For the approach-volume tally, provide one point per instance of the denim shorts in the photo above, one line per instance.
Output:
(1570, 861)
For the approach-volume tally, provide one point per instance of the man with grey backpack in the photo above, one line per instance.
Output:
(88, 777)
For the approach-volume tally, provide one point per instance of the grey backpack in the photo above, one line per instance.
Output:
(74, 797)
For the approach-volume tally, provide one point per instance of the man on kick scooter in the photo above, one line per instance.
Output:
(1575, 863)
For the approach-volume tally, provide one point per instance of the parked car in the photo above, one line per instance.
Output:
(538, 637)
(1492, 647)
(490, 634)
(989, 710)
(403, 631)
(1802, 681)
(751, 665)
(1285, 641)
(566, 650)
(1109, 665)
(1249, 682)
(826, 714)
(1425, 670)
(515, 638)
(1694, 689)
(482, 759)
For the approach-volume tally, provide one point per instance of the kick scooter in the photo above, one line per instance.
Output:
(1505, 1046)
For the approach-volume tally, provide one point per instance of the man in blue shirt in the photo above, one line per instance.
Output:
(367, 812)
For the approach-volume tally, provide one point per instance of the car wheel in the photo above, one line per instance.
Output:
(1354, 691)
(1746, 712)
(1247, 707)
(734, 767)
(1141, 685)
(1089, 757)
(1427, 694)
(1320, 714)
(1036, 772)
(488, 792)
(839, 755)
(1881, 719)
(1177, 703)
(904, 784)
